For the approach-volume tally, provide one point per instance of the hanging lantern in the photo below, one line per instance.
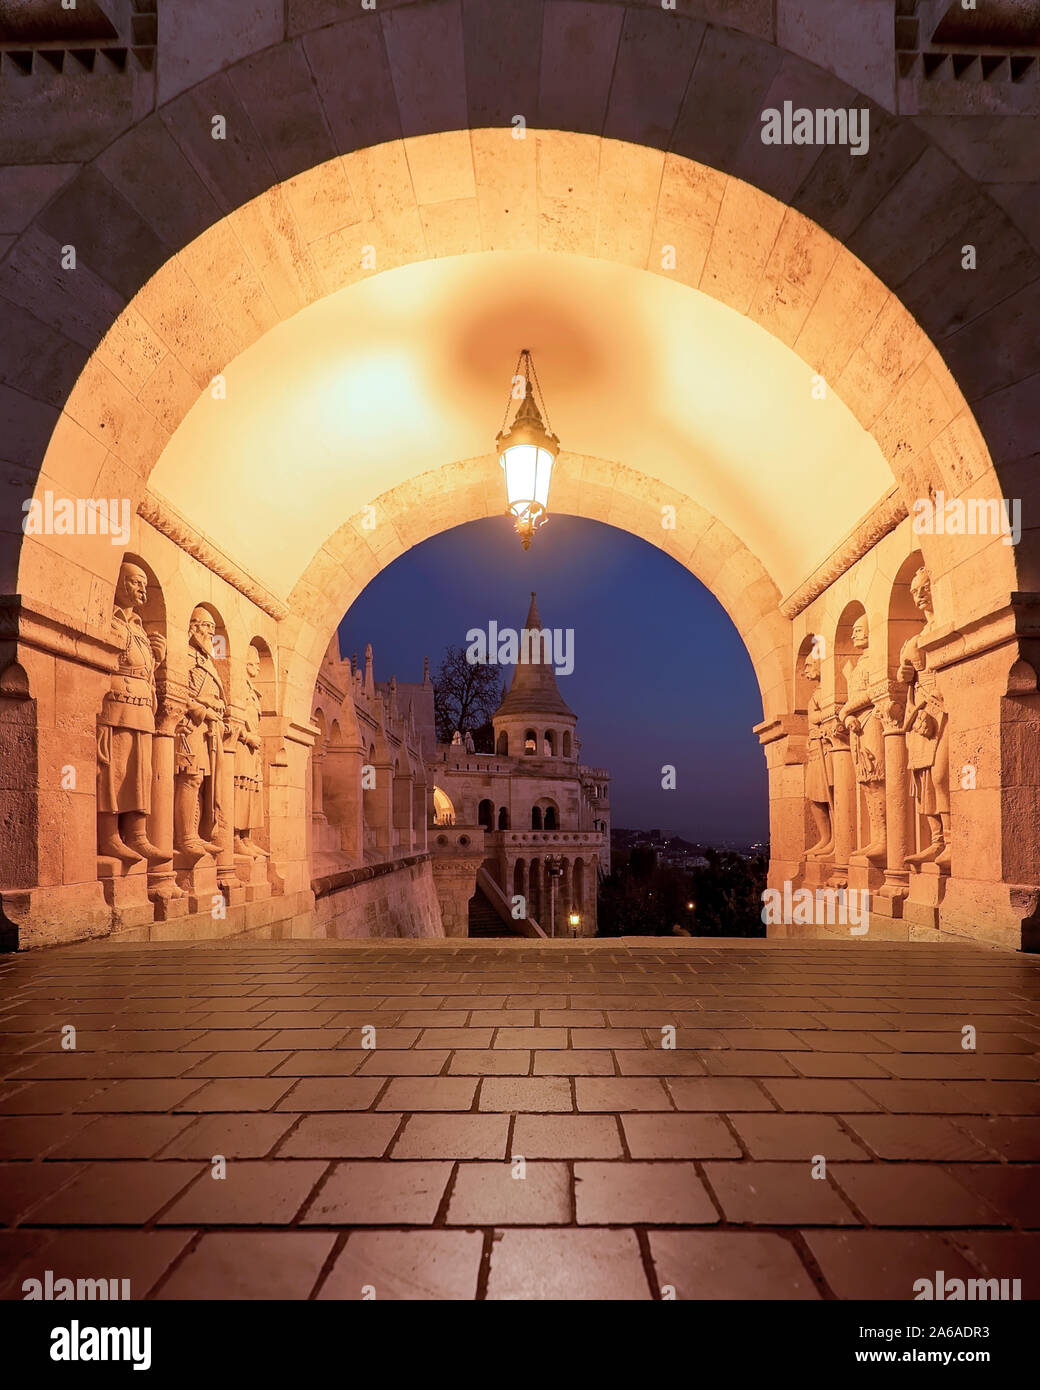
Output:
(527, 450)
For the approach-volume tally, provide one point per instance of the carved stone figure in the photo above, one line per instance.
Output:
(819, 768)
(468, 743)
(199, 748)
(867, 743)
(249, 812)
(125, 728)
(926, 725)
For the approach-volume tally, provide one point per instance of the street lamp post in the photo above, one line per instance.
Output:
(553, 865)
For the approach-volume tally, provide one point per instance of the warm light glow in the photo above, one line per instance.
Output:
(674, 384)
(574, 919)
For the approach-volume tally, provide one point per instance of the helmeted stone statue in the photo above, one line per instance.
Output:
(926, 726)
(125, 728)
(249, 813)
(199, 747)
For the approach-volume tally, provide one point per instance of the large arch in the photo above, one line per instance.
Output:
(215, 248)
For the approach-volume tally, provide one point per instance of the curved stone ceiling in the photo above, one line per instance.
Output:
(409, 370)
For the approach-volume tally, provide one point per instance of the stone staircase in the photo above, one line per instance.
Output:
(485, 921)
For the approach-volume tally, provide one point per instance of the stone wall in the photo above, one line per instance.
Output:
(395, 899)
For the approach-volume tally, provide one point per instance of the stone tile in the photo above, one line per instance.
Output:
(607, 1038)
(838, 1064)
(404, 1063)
(1016, 1139)
(394, 1038)
(123, 1136)
(654, 1061)
(250, 1265)
(243, 1064)
(805, 1094)
(913, 1097)
(253, 1193)
(660, 1194)
(490, 1194)
(621, 1093)
(567, 1264)
(413, 1265)
(914, 1194)
(729, 1265)
(23, 1186)
(566, 1136)
(255, 1093)
(231, 1136)
(679, 1136)
(115, 1194)
(453, 1136)
(332, 1093)
(882, 1265)
(1000, 1097)
(718, 1093)
(435, 1018)
(530, 1093)
(429, 1093)
(747, 1063)
(776, 1194)
(795, 1137)
(1014, 1192)
(304, 1039)
(228, 1040)
(778, 1039)
(475, 1062)
(49, 1097)
(379, 1194)
(844, 1040)
(340, 1136)
(33, 1136)
(568, 1018)
(530, 1038)
(142, 1257)
(455, 1037)
(570, 1062)
(915, 1137)
(1002, 1255)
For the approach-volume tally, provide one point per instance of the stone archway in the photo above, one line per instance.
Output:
(449, 187)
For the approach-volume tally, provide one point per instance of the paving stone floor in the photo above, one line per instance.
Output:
(521, 1127)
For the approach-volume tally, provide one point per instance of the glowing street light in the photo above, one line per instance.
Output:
(527, 450)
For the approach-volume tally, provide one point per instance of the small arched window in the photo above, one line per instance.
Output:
(536, 818)
(530, 743)
(566, 743)
(503, 818)
(549, 745)
(485, 815)
(503, 745)
(550, 818)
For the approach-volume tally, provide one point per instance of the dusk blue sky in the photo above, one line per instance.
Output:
(660, 673)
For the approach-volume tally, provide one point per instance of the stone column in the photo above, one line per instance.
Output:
(169, 899)
(846, 791)
(317, 791)
(227, 879)
(889, 898)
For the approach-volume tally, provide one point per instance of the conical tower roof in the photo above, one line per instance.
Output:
(533, 690)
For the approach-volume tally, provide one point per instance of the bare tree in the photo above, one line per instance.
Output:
(465, 696)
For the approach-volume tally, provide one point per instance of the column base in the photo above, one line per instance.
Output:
(125, 887)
